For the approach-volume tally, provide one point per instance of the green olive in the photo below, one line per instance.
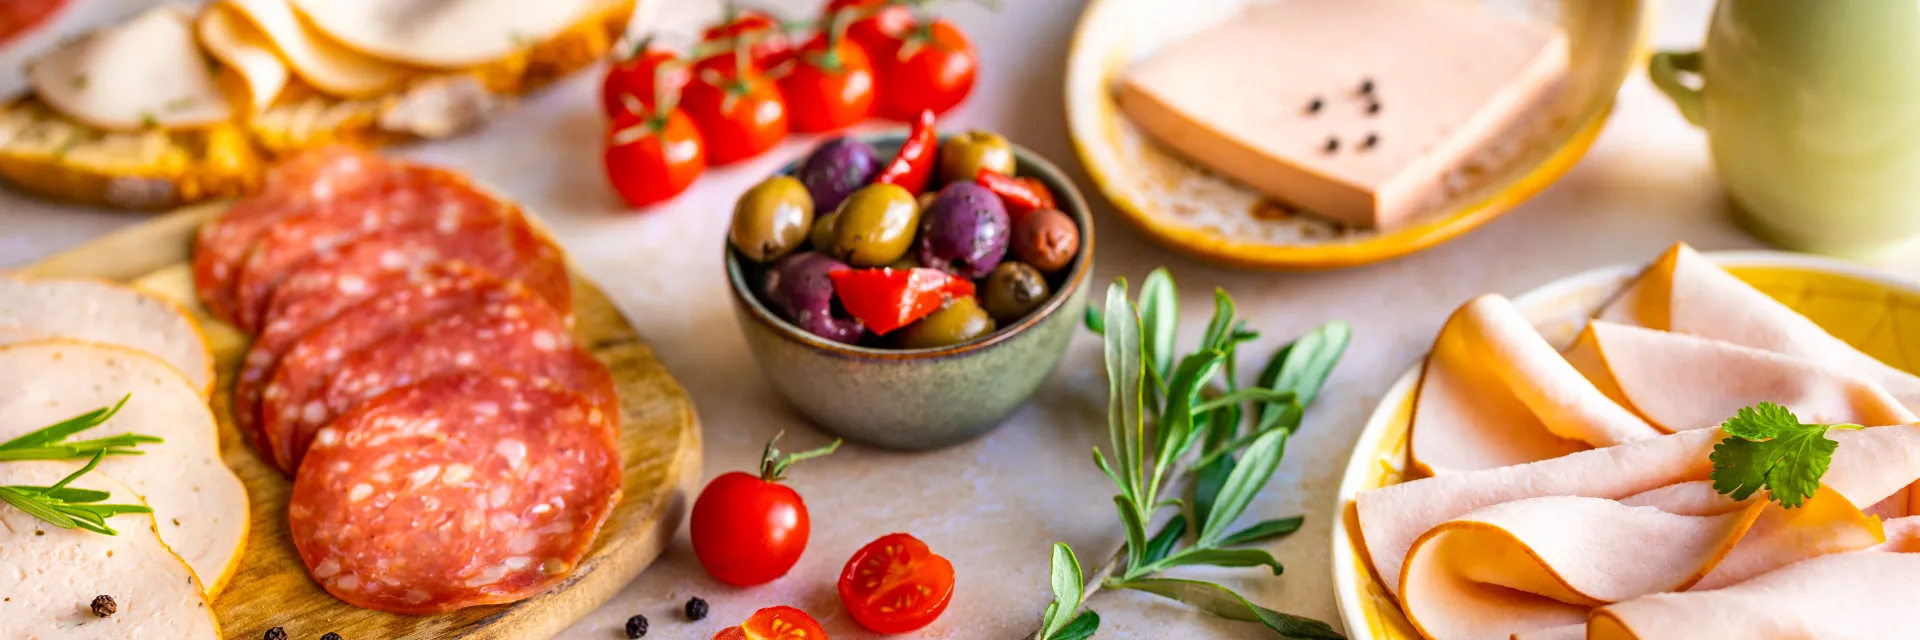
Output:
(771, 219)
(1012, 291)
(960, 320)
(964, 155)
(822, 234)
(906, 262)
(926, 199)
(875, 226)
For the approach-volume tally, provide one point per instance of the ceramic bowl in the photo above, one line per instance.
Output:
(919, 398)
(1215, 219)
(1867, 309)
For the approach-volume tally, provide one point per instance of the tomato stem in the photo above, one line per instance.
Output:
(773, 466)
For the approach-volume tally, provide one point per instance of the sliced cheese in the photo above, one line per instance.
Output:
(1685, 292)
(200, 504)
(99, 311)
(1864, 594)
(50, 576)
(316, 58)
(1678, 381)
(246, 51)
(445, 34)
(1495, 394)
(147, 72)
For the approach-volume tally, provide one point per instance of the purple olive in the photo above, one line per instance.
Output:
(964, 231)
(798, 288)
(836, 169)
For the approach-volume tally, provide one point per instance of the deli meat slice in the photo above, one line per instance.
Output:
(424, 200)
(460, 491)
(1859, 595)
(101, 311)
(513, 332)
(313, 357)
(290, 322)
(290, 187)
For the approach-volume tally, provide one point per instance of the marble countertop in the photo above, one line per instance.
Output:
(995, 504)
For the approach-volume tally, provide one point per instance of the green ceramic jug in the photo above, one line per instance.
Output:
(1812, 111)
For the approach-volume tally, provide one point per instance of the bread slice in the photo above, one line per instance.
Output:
(47, 153)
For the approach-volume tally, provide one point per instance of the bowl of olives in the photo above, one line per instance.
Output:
(910, 291)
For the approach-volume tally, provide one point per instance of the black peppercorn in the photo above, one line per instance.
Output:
(696, 609)
(1372, 139)
(1373, 107)
(276, 633)
(330, 636)
(104, 606)
(1366, 85)
(1314, 106)
(636, 626)
(1333, 144)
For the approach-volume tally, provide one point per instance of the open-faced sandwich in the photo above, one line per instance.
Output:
(173, 107)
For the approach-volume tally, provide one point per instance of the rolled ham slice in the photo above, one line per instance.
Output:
(1494, 394)
(1686, 293)
(1680, 382)
(1864, 594)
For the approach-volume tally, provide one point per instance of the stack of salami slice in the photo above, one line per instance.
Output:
(412, 368)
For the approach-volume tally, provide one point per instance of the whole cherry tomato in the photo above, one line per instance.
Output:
(635, 80)
(650, 158)
(762, 33)
(739, 111)
(830, 86)
(874, 24)
(749, 529)
(896, 584)
(931, 66)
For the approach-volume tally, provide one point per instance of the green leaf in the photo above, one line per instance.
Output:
(1767, 447)
(1303, 366)
(1221, 558)
(1176, 425)
(1249, 394)
(1101, 460)
(1159, 318)
(72, 495)
(1220, 328)
(1080, 629)
(35, 508)
(1207, 483)
(1264, 531)
(1255, 468)
(62, 430)
(1094, 322)
(1123, 379)
(1136, 530)
(1068, 588)
(1223, 602)
(1163, 542)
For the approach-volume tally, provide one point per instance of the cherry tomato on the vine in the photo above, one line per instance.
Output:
(638, 77)
(931, 65)
(830, 86)
(896, 584)
(748, 529)
(651, 157)
(739, 111)
(769, 42)
(876, 24)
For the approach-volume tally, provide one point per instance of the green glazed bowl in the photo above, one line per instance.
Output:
(915, 399)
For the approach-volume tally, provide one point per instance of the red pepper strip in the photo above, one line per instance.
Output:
(912, 167)
(886, 299)
(1022, 195)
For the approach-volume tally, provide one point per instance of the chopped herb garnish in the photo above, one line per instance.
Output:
(1768, 447)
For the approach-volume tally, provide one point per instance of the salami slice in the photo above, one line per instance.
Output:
(292, 321)
(290, 187)
(423, 200)
(459, 491)
(516, 334)
(307, 363)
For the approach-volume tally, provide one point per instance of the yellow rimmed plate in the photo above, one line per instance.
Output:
(1867, 309)
(1215, 219)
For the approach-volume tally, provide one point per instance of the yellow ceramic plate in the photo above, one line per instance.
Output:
(1868, 309)
(1216, 219)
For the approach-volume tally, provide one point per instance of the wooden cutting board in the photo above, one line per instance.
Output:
(659, 439)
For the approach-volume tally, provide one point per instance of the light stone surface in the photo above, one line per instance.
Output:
(993, 505)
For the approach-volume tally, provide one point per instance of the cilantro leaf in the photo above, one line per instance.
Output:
(1768, 447)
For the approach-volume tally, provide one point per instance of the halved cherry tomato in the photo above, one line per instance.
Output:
(930, 66)
(730, 633)
(762, 32)
(896, 584)
(639, 77)
(830, 86)
(781, 623)
(739, 111)
(748, 529)
(885, 299)
(875, 23)
(650, 158)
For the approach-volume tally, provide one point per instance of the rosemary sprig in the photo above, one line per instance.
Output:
(1196, 440)
(58, 504)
